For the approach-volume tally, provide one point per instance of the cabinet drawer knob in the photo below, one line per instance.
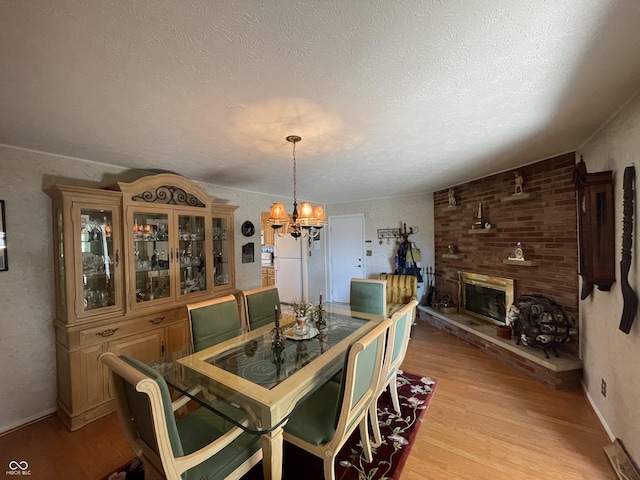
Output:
(156, 320)
(107, 333)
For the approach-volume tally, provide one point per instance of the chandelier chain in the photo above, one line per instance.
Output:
(295, 201)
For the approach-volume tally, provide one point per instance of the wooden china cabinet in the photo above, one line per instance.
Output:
(127, 261)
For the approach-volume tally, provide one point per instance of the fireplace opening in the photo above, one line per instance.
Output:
(485, 297)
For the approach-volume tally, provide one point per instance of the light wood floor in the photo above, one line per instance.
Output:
(486, 421)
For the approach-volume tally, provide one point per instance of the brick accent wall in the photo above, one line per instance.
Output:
(545, 224)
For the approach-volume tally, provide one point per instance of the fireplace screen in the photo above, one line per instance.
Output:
(485, 297)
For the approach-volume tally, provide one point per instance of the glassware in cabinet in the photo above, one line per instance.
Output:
(192, 253)
(99, 257)
(152, 256)
(87, 244)
(220, 252)
(222, 233)
(169, 254)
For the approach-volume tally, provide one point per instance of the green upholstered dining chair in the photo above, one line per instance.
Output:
(395, 351)
(196, 446)
(214, 321)
(368, 296)
(323, 422)
(259, 306)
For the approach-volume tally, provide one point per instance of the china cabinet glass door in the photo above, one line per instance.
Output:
(192, 254)
(221, 266)
(152, 254)
(99, 260)
(170, 255)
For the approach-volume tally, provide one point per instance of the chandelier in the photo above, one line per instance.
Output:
(305, 222)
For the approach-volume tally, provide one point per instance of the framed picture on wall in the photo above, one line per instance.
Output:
(4, 265)
(247, 253)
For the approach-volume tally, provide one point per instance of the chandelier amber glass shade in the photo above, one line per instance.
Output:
(318, 214)
(278, 216)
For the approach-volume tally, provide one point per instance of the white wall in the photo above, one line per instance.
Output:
(607, 352)
(414, 210)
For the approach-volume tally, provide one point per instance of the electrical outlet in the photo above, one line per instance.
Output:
(603, 387)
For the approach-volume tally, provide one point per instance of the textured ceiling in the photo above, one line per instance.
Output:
(390, 97)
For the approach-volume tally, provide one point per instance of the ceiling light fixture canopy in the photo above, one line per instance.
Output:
(307, 221)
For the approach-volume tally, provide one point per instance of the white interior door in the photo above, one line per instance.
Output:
(346, 253)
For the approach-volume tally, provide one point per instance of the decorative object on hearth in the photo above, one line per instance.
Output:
(307, 221)
(452, 198)
(517, 253)
(430, 290)
(452, 248)
(629, 296)
(596, 229)
(504, 331)
(445, 304)
(540, 321)
(519, 183)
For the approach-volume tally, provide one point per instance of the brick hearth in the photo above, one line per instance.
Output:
(558, 373)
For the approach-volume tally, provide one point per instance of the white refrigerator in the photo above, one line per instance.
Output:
(288, 267)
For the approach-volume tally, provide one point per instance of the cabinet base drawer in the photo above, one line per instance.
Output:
(127, 327)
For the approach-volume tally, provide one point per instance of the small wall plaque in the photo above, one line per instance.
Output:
(247, 253)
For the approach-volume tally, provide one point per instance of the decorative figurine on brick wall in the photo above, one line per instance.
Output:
(452, 198)
(519, 183)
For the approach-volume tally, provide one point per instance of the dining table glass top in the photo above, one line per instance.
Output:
(268, 363)
(267, 378)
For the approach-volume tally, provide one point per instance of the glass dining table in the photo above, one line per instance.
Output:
(256, 380)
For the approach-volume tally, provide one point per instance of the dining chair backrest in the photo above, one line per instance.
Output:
(260, 305)
(368, 296)
(214, 321)
(395, 350)
(398, 339)
(361, 378)
(197, 446)
(138, 389)
(323, 422)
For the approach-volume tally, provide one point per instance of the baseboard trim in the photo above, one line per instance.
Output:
(604, 424)
(7, 429)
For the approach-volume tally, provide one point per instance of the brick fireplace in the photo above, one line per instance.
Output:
(542, 219)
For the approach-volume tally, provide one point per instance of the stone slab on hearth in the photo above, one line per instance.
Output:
(558, 373)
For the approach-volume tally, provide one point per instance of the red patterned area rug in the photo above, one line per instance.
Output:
(398, 432)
